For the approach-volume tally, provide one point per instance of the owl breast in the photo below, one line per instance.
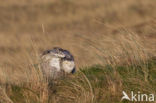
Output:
(51, 68)
(55, 63)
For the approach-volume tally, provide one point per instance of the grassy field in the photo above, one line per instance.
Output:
(113, 42)
(95, 84)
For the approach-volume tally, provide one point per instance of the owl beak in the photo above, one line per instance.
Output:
(73, 71)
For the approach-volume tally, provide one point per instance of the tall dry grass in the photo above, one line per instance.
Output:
(114, 32)
(22, 25)
(127, 50)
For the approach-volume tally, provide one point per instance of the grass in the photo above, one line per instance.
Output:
(22, 25)
(112, 41)
(95, 84)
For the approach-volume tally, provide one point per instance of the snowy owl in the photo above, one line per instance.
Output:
(56, 63)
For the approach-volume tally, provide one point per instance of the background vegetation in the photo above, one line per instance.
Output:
(113, 42)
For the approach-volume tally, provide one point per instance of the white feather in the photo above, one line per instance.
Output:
(55, 62)
(68, 66)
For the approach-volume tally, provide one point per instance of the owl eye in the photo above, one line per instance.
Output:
(67, 56)
(46, 52)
